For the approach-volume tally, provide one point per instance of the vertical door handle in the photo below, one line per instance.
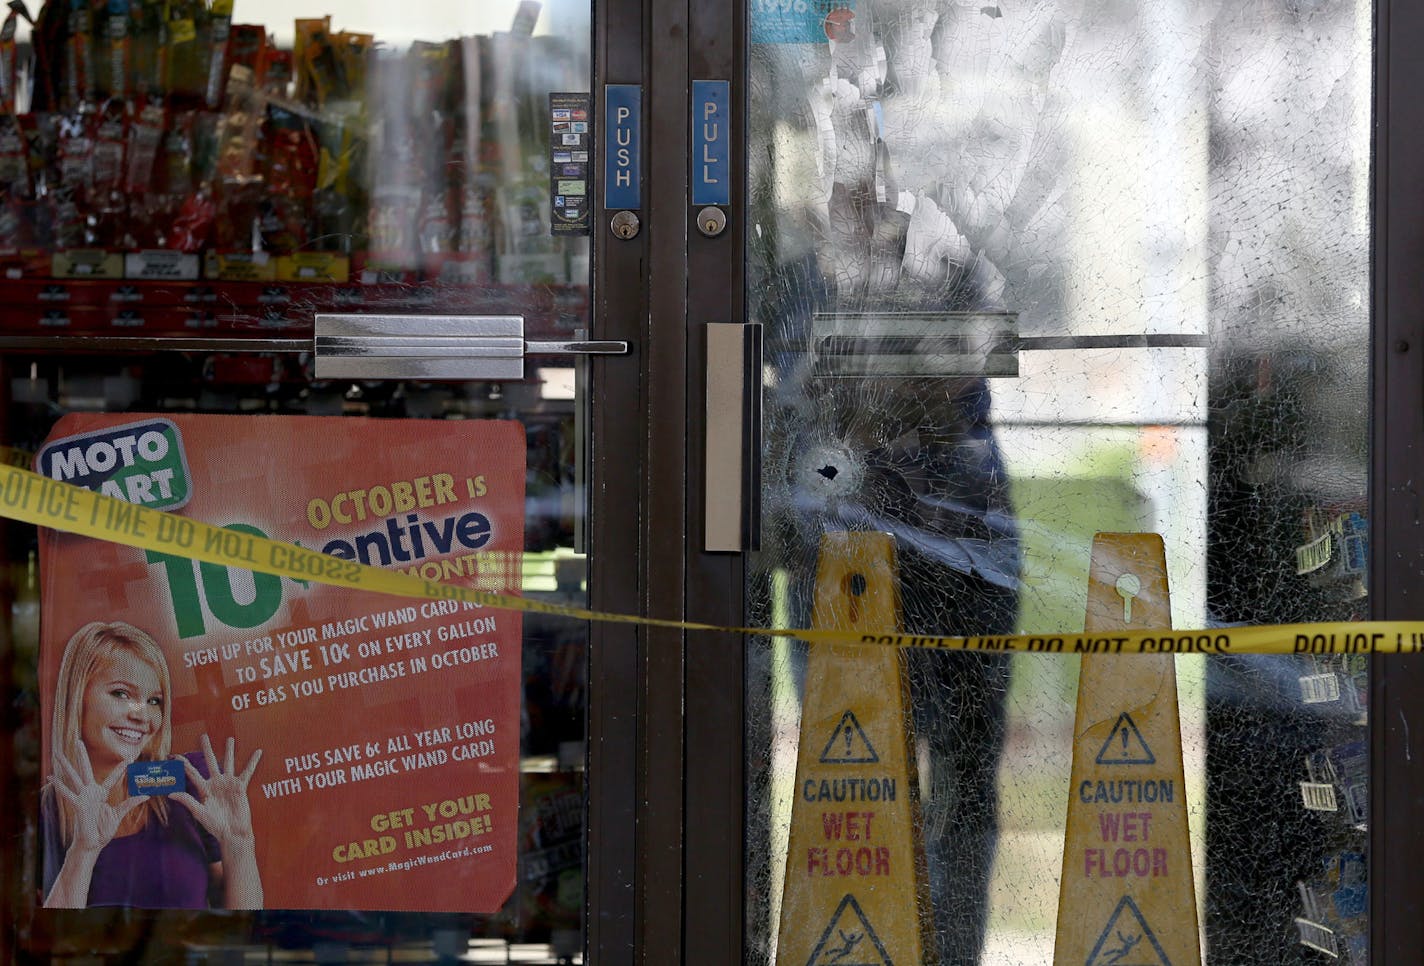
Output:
(732, 472)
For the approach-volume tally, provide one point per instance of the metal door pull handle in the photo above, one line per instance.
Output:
(732, 471)
(435, 347)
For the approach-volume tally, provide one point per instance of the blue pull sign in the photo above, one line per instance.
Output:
(622, 179)
(711, 143)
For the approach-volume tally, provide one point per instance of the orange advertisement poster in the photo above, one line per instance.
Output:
(217, 738)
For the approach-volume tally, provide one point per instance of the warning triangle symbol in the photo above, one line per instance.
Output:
(1125, 746)
(848, 744)
(849, 940)
(1127, 940)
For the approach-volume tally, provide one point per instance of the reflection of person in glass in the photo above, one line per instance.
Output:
(101, 847)
(894, 206)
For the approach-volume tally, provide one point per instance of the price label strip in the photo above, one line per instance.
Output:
(31, 498)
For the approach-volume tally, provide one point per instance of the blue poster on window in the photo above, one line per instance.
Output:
(794, 21)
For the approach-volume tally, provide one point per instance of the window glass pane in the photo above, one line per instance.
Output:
(227, 171)
(1034, 271)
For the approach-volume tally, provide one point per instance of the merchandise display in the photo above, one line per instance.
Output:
(228, 169)
(146, 142)
(713, 363)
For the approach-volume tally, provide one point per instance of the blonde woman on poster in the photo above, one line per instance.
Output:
(102, 845)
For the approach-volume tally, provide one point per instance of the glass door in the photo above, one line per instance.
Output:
(1029, 273)
(191, 192)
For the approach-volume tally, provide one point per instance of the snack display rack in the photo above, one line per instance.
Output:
(187, 191)
(166, 169)
(1333, 917)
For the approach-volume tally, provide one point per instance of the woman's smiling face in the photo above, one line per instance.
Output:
(123, 710)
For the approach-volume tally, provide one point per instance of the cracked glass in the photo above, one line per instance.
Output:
(1030, 271)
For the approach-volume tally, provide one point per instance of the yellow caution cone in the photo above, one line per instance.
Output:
(856, 889)
(1126, 897)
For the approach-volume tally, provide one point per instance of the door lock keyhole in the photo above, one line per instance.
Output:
(711, 221)
(625, 225)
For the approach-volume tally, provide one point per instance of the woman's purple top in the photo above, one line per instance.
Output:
(158, 867)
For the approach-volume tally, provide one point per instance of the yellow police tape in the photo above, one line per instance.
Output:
(32, 498)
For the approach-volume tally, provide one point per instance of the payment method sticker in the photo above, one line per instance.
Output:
(568, 173)
(373, 740)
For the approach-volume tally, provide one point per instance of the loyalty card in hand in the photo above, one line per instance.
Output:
(156, 778)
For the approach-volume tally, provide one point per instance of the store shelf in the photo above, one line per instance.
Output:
(1333, 897)
(243, 310)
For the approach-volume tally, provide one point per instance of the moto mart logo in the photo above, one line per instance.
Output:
(142, 463)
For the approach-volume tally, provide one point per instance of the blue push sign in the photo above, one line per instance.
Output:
(711, 143)
(622, 182)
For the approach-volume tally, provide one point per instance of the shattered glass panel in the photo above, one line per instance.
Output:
(1033, 270)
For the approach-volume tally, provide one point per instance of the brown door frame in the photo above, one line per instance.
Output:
(664, 839)
(1396, 840)
(689, 689)
(665, 868)
(616, 458)
(714, 854)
